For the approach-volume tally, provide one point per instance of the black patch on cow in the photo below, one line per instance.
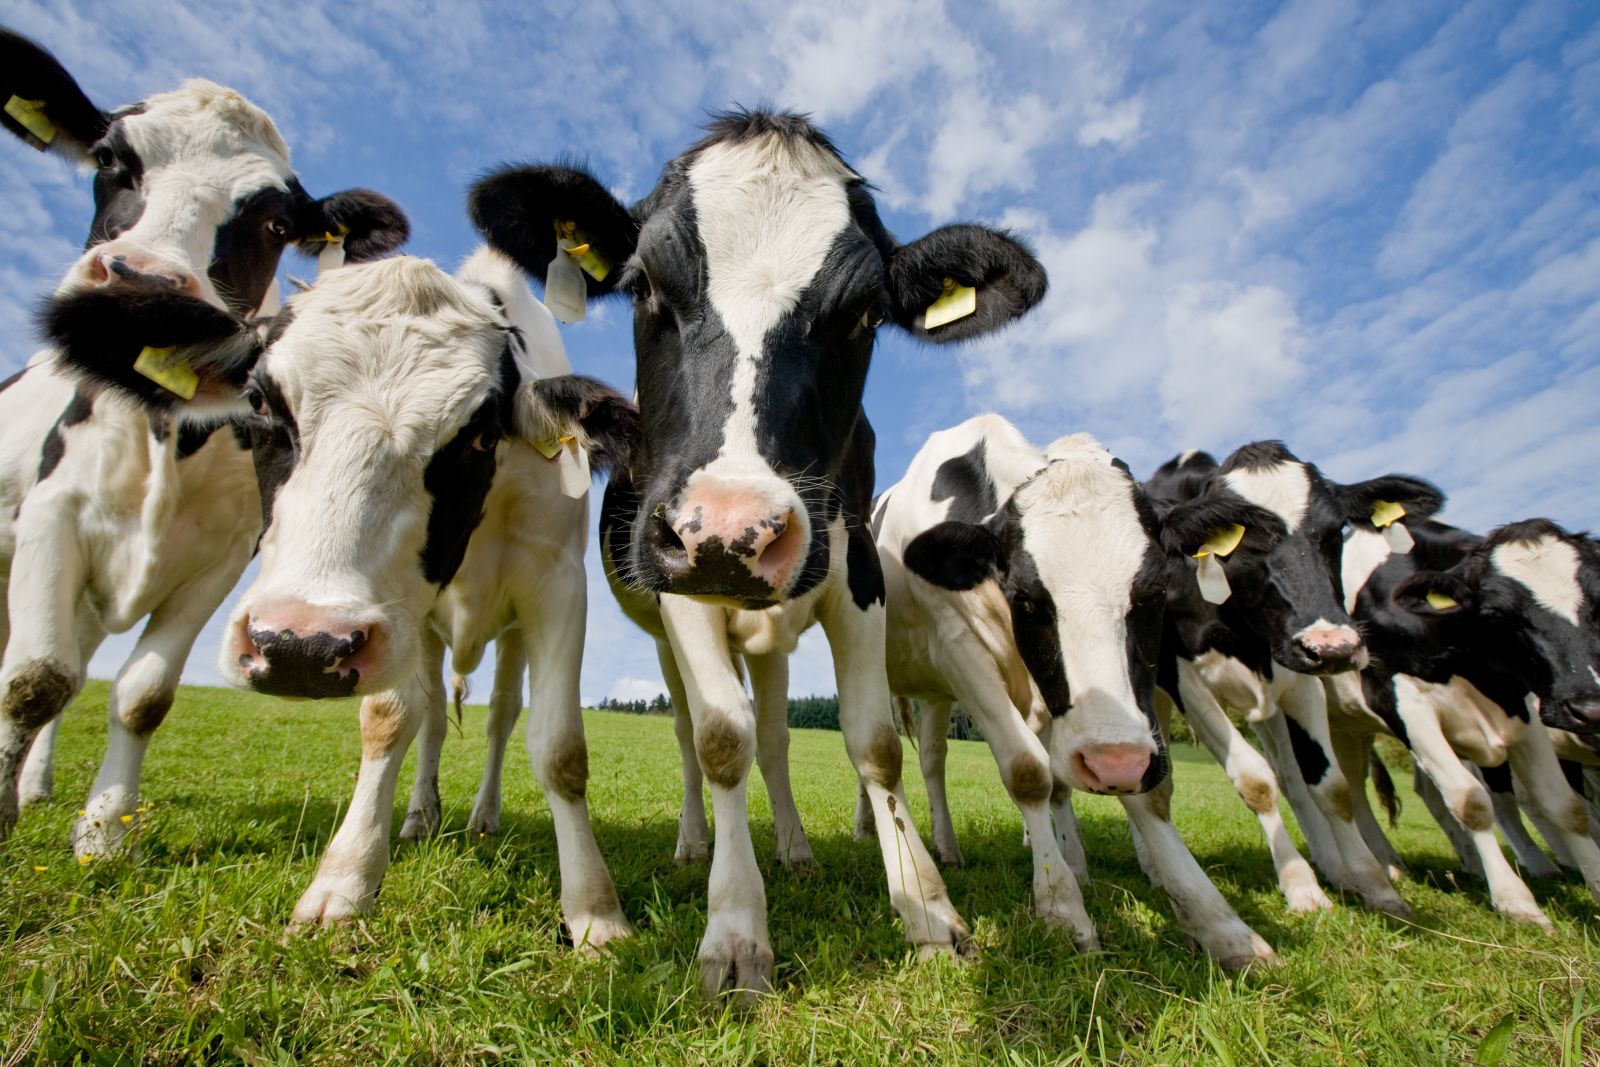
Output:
(32, 73)
(245, 255)
(964, 481)
(274, 440)
(1572, 771)
(1033, 621)
(880, 507)
(13, 380)
(119, 175)
(516, 209)
(1308, 755)
(1377, 691)
(864, 571)
(78, 410)
(299, 666)
(1498, 779)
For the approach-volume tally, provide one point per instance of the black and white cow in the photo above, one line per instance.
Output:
(1478, 645)
(759, 273)
(112, 513)
(1029, 586)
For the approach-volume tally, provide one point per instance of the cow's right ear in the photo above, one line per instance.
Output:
(1189, 527)
(956, 555)
(549, 411)
(155, 345)
(42, 103)
(519, 209)
(1435, 593)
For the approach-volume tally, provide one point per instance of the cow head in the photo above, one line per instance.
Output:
(195, 202)
(1285, 579)
(1527, 599)
(1075, 552)
(386, 398)
(759, 274)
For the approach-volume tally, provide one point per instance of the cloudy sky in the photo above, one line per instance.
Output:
(1370, 230)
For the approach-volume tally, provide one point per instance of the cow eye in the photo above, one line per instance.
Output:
(105, 157)
(278, 228)
(872, 318)
(257, 400)
(484, 442)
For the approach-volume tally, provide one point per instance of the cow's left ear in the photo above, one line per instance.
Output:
(370, 224)
(967, 280)
(42, 104)
(551, 412)
(1369, 504)
(1435, 593)
(956, 555)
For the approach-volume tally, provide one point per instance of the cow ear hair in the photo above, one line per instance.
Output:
(956, 555)
(1186, 527)
(43, 104)
(370, 224)
(517, 209)
(1421, 499)
(601, 419)
(1008, 279)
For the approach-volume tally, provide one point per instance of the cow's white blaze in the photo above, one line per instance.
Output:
(1364, 552)
(1283, 488)
(1549, 568)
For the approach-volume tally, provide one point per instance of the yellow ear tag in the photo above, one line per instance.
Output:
(332, 254)
(175, 376)
(552, 448)
(1439, 602)
(593, 263)
(1385, 512)
(956, 302)
(31, 117)
(1222, 543)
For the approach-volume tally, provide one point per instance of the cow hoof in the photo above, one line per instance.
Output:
(1257, 954)
(419, 825)
(947, 934)
(738, 968)
(35, 795)
(330, 901)
(1525, 911)
(690, 852)
(591, 935)
(1389, 904)
(483, 822)
(949, 854)
(1396, 872)
(801, 865)
(1308, 900)
(96, 836)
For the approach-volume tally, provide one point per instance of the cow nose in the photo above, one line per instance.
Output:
(1585, 714)
(726, 540)
(131, 267)
(1330, 649)
(306, 655)
(1118, 768)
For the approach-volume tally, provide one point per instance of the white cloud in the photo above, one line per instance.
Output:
(631, 688)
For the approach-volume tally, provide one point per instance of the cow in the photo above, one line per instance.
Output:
(759, 274)
(1479, 644)
(1029, 585)
(112, 512)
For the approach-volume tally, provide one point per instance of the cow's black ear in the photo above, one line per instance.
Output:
(1420, 499)
(157, 346)
(1007, 278)
(1435, 593)
(372, 225)
(606, 421)
(1187, 528)
(956, 555)
(517, 209)
(42, 103)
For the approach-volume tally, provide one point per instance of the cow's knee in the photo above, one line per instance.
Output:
(1028, 779)
(37, 693)
(564, 769)
(725, 748)
(1260, 794)
(883, 758)
(143, 714)
(1471, 806)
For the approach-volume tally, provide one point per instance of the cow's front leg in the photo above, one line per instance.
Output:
(353, 866)
(769, 681)
(1533, 759)
(735, 954)
(1356, 755)
(505, 705)
(694, 832)
(856, 637)
(1305, 704)
(1273, 733)
(1202, 911)
(1508, 816)
(423, 813)
(560, 754)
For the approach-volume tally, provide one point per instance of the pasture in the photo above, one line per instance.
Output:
(180, 954)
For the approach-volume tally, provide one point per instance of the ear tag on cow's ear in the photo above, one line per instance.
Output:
(593, 263)
(1222, 543)
(574, 464)
(1386, 516)
(565, 291)
(1441, 602)
(552, 448)
(332, 255)
(955, 302)
(1213, 580)
(1399, 538)
(175, 376)
(30, 115)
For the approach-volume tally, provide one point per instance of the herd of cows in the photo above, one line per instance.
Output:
(409, 455)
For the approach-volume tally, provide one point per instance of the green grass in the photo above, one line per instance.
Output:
(180, 953)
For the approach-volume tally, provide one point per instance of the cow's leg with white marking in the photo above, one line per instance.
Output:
(769, 681)
(1533, 759)
(1305, 705)
(735, 954)
(1466, 800)
(1273, 733)
(1354, 753)
(1202, 911)
(694, 834)
(1257, 786)
(856, 637)
(353, 866)
(1508, 816)
(933, 744)
(505, 706)
(560, 754)
(423, 812)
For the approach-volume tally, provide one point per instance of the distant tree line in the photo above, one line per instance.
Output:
(805, 713)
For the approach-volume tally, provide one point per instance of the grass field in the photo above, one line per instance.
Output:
(180, 953)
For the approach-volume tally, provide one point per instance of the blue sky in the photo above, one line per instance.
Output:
(1370, 230)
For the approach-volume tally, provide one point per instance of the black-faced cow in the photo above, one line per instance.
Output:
(759, 273)
(1478, 645)
(111, 512)
(403, 419)
(1029, 586)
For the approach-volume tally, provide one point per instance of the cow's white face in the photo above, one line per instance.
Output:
(193, 188)
(382, 399)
